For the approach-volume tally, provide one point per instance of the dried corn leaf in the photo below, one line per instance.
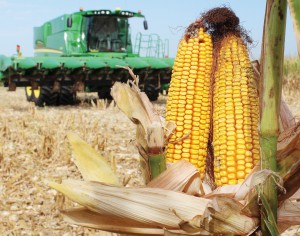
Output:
(285, 164)
(181, 176)
(128, 100)
(237, 191)
(223, 216)
(288, 141)
(182, 233)
(291, 182)
(288, 215)
(226, 191)
(246, 186)
(296, 196)
(258, 179)
(170, 128)
(155, 138)
(286, 118)
(84, 217)
(146, 205)
(92, 165)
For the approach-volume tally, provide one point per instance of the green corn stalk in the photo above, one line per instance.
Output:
(271, 82)
(294, 6)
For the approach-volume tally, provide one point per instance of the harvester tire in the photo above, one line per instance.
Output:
(104, 93)
(67, 96)
(46, 97)
(151, 91)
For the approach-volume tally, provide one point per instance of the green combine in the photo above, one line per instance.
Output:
(87, 51)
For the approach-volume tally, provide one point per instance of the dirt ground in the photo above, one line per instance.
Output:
(34, 150)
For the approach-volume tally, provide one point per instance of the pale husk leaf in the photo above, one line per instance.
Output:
(288, 141)
(237, 191)
(146, 205)
(128, 100)
(257, 180)
(286, 118)
(291, 182)
(155, 137)
(296, 196)
(92, 166)
(288, 215)
(84, 217)
(181, 176)
(224, 216)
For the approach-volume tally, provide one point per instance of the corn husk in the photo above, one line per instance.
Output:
(288, 215)
(138, 109)
(181, 177)
(146, 205)
(150, 132)
(92, 165)
(84, 217)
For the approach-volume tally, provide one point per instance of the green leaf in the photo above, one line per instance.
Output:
(267, 214)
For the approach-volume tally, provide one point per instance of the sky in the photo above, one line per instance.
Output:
(167, 18)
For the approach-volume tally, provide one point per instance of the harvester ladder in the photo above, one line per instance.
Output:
(150, 45)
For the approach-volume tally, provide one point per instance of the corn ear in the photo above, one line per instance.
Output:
(235, 113)
(188, 102)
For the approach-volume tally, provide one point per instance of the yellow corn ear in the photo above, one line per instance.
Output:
(235, 114)
(189, 101)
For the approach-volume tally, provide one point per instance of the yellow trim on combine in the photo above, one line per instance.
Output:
(28, 91)
(40, 50)
(36, 92)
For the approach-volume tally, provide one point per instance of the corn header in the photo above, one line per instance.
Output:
(87, 51)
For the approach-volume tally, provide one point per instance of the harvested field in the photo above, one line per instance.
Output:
(34, 150)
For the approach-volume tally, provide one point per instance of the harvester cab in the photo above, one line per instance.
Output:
(87, 50)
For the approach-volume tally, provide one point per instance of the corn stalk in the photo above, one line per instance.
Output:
(270, 96)
(294, 6)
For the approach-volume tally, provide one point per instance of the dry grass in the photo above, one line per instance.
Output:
(34, 149)
(291, 84)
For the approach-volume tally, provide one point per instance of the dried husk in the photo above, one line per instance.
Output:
(137, 108)
(154, 206)
(180, 176)
(227, 217)
(150, 132)
(84, 217)
(92, 166)
(286, 118)
(288, 215)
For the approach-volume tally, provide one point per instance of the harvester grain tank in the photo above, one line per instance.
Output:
(87, 51)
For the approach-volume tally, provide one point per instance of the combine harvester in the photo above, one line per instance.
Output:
(87, 51)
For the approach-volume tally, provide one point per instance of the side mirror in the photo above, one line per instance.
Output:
(69, 22)
(145, 24)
